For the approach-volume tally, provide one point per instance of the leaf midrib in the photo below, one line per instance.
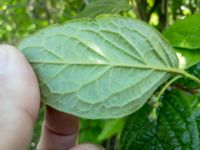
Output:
(165, 69)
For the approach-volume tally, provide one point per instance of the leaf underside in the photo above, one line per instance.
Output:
(176, 128)
(99, 68)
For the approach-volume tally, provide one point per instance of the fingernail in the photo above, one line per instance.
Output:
(87, 146)
(94, 147)
(3, 60)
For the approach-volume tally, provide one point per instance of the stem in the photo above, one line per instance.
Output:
(186, 89)
(181, 72)
(190, 76)
(167, 85)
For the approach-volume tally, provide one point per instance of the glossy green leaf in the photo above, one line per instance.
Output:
(184, 36)
(104, 7)
(187, 57)
(185, 33)
(175, 127)
(106, 67)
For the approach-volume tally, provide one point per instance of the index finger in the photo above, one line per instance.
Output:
(60, 130)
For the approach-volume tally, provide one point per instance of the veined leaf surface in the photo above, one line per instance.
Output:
(99, 68)
(176, 126)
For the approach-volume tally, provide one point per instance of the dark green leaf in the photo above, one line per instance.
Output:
(99, 68)
(175, 127)
(196, 111)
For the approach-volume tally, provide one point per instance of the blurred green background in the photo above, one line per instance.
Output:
(20, 18)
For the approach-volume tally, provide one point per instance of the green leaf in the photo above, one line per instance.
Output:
(184, 36)
(196, 110)
(175, 127)
(187, 57)
(89, 130)
(111, 127)
(185, 33)
(186, 84)
(194, 101)
(106, 67)
(104, 7)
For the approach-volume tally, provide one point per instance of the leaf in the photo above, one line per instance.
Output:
(89, 130)
(196, 110)
(194, 101)
(175, 127)
(185, 33)
(104, 7)
(186, 84)
(184, 36)
(188, 57)
(106, 67)
(111, 127)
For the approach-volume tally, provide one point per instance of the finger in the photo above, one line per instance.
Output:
(60, 131)
(19, 99)
(87, 146)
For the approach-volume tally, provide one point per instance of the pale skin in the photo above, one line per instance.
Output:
(20, 102)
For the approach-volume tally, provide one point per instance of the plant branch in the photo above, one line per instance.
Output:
(186, 89)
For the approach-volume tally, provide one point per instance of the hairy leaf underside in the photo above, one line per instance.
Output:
(106, 67)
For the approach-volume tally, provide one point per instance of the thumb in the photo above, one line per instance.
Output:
(19, 99)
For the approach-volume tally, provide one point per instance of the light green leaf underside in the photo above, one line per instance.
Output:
(176, 127)
(99, 68)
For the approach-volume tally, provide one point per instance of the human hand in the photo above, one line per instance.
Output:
(20, 101)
